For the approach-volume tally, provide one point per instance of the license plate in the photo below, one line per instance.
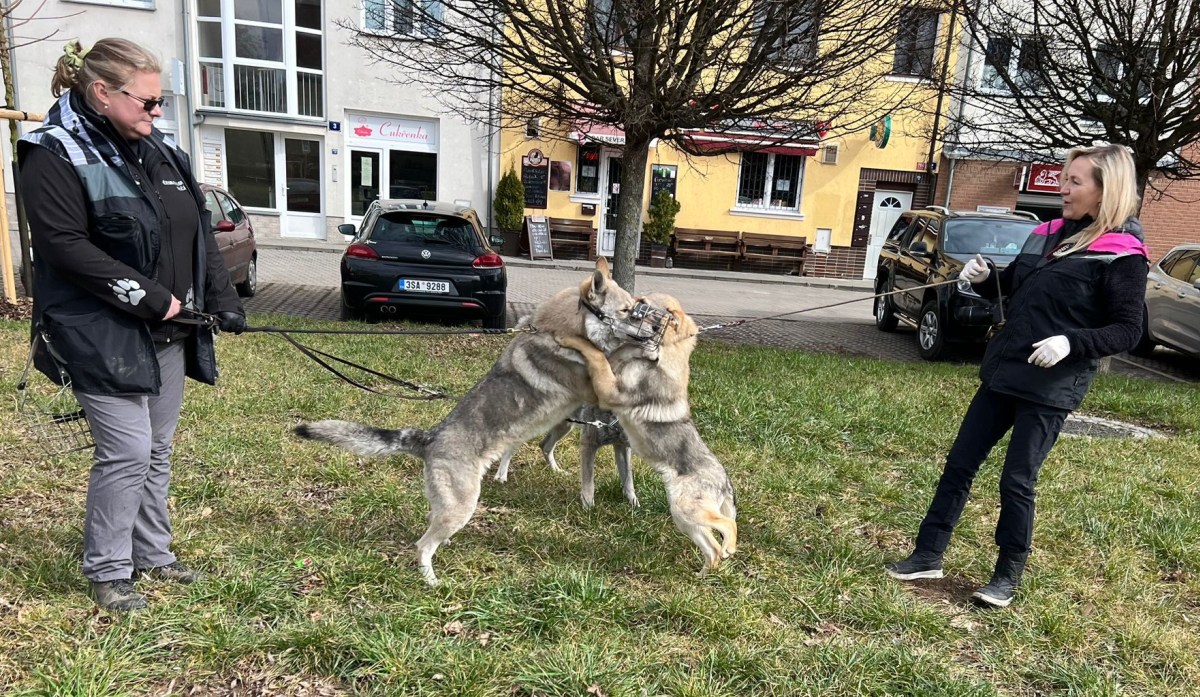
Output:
(415, 286)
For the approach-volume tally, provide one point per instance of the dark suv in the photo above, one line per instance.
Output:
(424, 257)
(932, 245)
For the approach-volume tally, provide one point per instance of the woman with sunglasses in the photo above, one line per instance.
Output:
(123, 255)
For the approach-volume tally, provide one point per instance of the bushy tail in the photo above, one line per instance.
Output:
(367, 440)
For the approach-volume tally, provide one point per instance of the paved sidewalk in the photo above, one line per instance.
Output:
(304, 282)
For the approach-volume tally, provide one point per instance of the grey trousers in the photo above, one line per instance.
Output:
(126, 525)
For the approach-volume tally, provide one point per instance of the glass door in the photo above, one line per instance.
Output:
(606, 241)
(302, 210)
(364, 180)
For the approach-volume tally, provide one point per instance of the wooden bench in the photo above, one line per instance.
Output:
(787, 249)
(705, 244)
(570, 234)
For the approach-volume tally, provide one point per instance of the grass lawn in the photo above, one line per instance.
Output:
(313, 588)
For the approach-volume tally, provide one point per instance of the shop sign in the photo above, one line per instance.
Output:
(881, 132)
(1044, 179)
(393, 130)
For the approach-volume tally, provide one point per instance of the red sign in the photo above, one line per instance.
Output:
(1044, 179)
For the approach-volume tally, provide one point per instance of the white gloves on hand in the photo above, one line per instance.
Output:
(1048, 352)
(976, 270)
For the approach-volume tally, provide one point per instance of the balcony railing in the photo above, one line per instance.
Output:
(310, 95)
(260, 89)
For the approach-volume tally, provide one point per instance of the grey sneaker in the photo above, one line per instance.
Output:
(118, 595)
(175, 571)
(917, 565)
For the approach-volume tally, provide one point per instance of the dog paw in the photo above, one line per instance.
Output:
(500, 476)
(588, 502)
(633, 501)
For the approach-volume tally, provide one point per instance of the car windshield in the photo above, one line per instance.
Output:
(987, 236)
(420, 228)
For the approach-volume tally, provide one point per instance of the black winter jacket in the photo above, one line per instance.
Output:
(95, 288)
(1094, 297)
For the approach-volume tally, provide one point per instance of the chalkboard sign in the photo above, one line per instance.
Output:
(538, 229)
(662, 178)
(536, 181)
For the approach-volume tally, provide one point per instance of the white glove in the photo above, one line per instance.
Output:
(976, 270)
(1048, 352)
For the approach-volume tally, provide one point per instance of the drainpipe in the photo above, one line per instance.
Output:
(958, 118)
(187, 79)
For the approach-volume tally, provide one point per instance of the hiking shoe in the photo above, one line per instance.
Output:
(175, 571)
(917, 565)
(118, 595)
(1005, 580)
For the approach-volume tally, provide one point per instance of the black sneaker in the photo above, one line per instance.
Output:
(999, 593)
(175, 571)
(917, 565)
(118, 595)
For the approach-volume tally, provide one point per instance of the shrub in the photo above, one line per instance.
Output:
(509, 205)
(660, 224)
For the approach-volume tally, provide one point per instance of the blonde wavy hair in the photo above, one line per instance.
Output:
(111, 61)
(1115, 174)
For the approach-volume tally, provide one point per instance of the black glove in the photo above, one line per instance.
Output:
(231, 322)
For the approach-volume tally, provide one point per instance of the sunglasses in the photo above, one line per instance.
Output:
(148, 104)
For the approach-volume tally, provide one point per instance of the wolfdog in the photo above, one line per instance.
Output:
(534, 385)
(648, 393)
(597, 428)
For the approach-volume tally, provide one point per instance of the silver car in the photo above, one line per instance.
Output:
(1173, 303)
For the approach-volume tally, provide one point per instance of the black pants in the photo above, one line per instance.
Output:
(1035, 427)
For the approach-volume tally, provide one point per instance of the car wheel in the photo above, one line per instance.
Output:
(931, 334)
(885, 314)
(249, 287)
(496, 321)
(350, 313)
(1145, 345)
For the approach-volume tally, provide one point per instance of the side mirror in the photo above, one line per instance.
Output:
(919, 248)
(496, 240)
(347, 229)
(224, 226)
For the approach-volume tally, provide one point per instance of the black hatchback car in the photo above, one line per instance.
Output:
(425, 258)
(933, 245)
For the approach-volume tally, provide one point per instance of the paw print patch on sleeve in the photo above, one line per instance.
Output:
(128, 291)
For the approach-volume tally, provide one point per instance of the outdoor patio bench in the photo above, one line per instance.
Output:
(705, 244)
(786, 249)
(568, 234)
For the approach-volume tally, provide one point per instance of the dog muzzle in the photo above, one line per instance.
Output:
(645, 324)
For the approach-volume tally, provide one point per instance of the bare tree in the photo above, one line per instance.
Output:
(771, 72)
(1061, 73)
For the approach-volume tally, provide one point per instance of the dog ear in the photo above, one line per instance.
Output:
(600, 281)
(602, 267)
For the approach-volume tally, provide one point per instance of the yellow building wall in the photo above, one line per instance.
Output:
(706, 187)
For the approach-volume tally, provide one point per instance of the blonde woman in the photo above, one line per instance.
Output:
(122, 245)
(1074, 295)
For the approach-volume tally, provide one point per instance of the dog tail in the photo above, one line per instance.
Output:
(367, 440)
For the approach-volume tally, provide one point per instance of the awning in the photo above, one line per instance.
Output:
(702, 141)
(585, 131)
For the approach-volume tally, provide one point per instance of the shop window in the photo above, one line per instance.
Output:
(770, 181)
(916, 38)
(588, 179)
(412, 175)
(251, 163)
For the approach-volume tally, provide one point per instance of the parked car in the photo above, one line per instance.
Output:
(235, 238)
(933, 245)
(1173, 303)
(423, 257)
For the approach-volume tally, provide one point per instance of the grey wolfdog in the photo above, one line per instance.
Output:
(534, 385)
(592, 437)
(649, 396)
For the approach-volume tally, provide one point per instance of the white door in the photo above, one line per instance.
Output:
(888, 207)
(610, 197)
(302, 190)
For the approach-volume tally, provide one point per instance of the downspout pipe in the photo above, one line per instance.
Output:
(962, 102)
(937, 112)
(188, 85)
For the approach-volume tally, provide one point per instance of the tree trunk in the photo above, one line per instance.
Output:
(629, 215)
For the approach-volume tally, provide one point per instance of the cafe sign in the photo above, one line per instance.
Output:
(391, 130)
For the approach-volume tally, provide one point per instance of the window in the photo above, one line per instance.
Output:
(403, 17)
(926, 234)
(412, 174)
(1184, 267)
(133, 4)
(606, 27)
(800, 22)
(1021, 60)
(770, 181)
(251, 161)
(210, 202)
(232, 213)
(916, 38)
(1114, 71)
(902, 223)
(588, 179)
(243, 47)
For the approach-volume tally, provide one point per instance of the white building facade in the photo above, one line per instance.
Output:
(276, 107)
